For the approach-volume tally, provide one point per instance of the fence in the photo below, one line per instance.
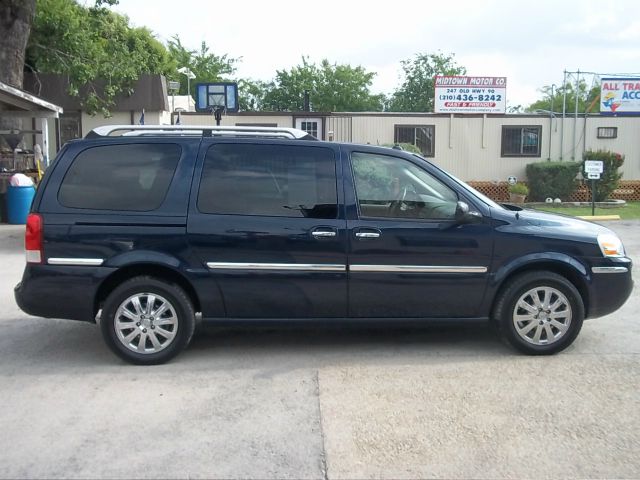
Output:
(628, 190)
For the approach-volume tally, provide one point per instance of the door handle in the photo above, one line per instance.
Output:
(323, 233)
(367, 234)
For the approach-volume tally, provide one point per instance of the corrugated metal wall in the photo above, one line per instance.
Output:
(467, 146)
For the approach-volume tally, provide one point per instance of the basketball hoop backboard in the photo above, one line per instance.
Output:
(209, 96)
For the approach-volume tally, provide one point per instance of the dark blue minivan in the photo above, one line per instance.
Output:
(149, 229)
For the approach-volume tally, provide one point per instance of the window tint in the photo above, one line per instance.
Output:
(132, 177)
(394, 187)
(274, 180)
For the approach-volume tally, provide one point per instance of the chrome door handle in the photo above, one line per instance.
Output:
(323, 233)
(367, 234)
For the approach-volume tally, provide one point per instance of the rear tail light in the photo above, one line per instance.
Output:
(33, 239)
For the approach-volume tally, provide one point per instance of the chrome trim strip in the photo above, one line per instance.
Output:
(87, 262)
(324, 267)
(416, 269)
(367, 235)
(609, 269)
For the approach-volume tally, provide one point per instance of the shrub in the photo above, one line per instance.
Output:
(552, 179)
(407, 147)
(519, 189)
(610, 176)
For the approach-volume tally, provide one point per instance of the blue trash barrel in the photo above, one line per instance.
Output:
(18, 203)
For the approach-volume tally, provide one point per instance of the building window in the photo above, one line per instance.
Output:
(310, 127)
(607, 132)
(521, 141)
(422, 136)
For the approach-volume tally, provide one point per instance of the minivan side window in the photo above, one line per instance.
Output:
(132, 177)
(269, 180)
(393, 187)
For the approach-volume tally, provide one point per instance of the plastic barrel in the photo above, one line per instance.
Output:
(18, 203)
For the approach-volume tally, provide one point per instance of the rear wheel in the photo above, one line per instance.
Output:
(539, 313)
(147, 321)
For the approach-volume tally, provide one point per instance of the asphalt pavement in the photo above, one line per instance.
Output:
(326, 403)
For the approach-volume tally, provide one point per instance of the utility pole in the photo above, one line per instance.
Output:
(575, 119)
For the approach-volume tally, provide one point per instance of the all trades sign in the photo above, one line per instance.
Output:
(620, 95)
(457, 94)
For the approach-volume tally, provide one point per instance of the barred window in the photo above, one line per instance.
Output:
(521, 141)
(422, 136)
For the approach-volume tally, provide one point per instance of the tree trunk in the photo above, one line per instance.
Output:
(16, 17)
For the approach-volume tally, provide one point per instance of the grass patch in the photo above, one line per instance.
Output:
(630, 212)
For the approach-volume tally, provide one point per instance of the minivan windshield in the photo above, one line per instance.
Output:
(467, 187)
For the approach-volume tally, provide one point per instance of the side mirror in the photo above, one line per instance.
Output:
(463, 215)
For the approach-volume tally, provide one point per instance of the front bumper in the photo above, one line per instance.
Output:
(610, 287)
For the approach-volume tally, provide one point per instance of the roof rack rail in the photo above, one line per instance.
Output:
(200, 130)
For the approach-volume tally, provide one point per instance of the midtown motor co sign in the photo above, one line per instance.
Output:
(458, 94)
(620, 96)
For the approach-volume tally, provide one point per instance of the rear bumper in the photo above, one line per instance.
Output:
(610, 287)
(60, 292)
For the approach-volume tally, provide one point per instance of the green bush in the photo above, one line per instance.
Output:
(610, 177)
(407, 147)
(519, 189)
(552, 179)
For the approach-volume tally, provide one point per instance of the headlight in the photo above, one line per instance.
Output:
(610, 245)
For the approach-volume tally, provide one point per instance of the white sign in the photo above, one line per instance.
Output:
(620, 95)
(458, 94)
(593, 166)
(593, 176)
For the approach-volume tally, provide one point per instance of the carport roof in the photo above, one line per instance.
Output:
(15, 101)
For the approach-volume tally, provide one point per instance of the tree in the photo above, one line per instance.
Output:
(96, 48)
(206, 66)
(332, 87)
(587, 99)
(252, 93)
(416, 94)
(16, 17)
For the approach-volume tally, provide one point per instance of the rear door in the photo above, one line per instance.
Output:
(408, 258)
(264, 220)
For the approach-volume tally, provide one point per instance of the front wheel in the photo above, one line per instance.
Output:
(539, 313)
(147, 321)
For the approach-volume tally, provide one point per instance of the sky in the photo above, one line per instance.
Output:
(530, 43)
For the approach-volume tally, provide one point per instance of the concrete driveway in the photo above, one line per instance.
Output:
(318, 403)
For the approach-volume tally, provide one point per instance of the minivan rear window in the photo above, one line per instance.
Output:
(132, 177)
(269, 180)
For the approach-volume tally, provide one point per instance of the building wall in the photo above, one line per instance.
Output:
(467, 146)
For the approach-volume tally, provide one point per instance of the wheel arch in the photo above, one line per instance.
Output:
(155, 270)
(568, 268)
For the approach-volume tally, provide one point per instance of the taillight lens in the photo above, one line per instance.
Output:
(33, 238)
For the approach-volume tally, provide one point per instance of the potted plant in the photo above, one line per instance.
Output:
(518, 192)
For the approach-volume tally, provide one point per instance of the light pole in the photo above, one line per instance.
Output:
(190, 75)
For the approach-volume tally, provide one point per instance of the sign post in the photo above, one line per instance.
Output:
(593, 169)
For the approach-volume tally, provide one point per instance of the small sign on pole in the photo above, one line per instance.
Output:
(593, 166)
(593, 176)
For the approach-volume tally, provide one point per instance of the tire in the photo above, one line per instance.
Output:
(145, 333)
(539, 313)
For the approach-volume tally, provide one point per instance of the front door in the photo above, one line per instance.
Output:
(311, 125)
(264, 220)
(408, 258)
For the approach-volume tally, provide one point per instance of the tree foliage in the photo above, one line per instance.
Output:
(332, 87)
(95, 47)
(416, 94)
(205, 65)
(587, 98)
